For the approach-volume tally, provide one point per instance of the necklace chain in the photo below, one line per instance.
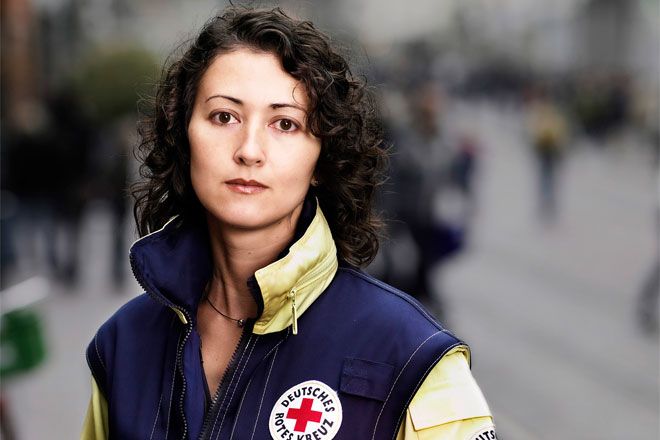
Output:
(239, 322)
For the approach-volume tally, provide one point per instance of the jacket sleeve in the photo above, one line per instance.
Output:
(448, 405)
(95, 426)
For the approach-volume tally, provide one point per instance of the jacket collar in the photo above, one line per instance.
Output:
(174, 264)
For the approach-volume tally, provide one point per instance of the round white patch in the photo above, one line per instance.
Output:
(310, 410)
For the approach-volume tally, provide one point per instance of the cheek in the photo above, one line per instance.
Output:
(196, 180)
(201, 141)
(202, 171)
(203, 155)
(196, 165)
(309, 160)
(303, 169)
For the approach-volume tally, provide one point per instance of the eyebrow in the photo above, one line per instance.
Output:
(275, 105)
(235, 100)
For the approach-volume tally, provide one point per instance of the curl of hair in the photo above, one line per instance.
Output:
(341, 114)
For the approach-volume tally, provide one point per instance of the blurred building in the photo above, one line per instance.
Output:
(561, 37)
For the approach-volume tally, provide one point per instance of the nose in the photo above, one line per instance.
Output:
(250, 151)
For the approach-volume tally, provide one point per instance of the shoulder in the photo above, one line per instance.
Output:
(131, 316)
(385, 312)
(390, 302)
(128, 330)
(399, 331)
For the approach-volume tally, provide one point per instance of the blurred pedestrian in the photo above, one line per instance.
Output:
(260, 168)
(548, 128)
(110, 184)
(463, 171)
(28, 181)
(424, 169)
(48, 175)
(70, 137)
(648, 304)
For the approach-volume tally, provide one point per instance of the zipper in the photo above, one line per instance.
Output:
(223, 387)
(294, 312)
(182, 343)
(179, 363)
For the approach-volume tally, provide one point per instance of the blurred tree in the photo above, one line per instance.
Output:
(111, 79)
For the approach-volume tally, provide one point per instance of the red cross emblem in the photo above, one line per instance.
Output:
(304, 415)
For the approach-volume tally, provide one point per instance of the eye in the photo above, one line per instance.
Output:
(286, 125)
(224, 118)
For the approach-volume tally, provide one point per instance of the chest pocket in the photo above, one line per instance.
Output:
(364, 378)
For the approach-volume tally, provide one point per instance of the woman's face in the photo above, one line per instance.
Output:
(252, 157)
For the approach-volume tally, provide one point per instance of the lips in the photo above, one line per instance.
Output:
(243, 186)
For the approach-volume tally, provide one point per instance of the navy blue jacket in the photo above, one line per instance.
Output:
(370, 343)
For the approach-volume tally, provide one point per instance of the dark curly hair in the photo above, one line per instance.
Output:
(341, 114)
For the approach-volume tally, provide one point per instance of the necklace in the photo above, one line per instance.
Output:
(239, 322)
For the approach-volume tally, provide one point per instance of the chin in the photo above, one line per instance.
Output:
(250, 213)
(249, 219)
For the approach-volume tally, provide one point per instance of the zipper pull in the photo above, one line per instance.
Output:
(294, 312)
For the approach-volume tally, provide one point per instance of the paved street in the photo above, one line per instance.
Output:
(548, 310)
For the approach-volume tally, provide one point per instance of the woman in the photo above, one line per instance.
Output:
(260, 166)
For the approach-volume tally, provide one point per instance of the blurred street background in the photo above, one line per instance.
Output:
(523, 202)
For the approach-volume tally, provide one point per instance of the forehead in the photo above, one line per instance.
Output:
(252, 77)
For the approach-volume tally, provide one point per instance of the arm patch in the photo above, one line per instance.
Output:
(487, 433)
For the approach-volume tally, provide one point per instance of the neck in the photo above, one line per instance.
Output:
(237, 254)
